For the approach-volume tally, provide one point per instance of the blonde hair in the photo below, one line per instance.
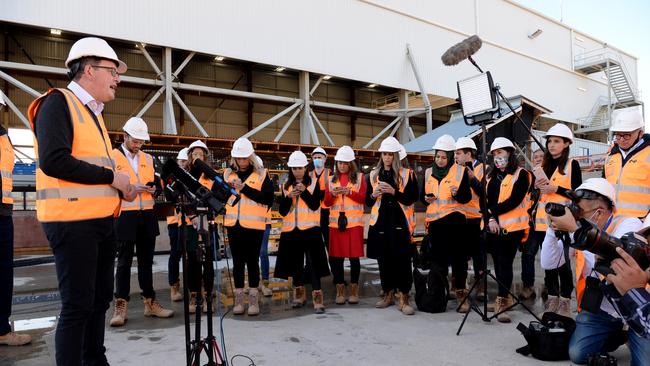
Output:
(395, 166)
(257, 167)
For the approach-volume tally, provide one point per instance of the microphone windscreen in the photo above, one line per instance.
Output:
(461, 51)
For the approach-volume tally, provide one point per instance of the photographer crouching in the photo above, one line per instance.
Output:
(610, 248)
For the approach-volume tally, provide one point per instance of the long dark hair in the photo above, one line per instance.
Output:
(352, 174)
(561, 161)
(306, 180)
(512, 166)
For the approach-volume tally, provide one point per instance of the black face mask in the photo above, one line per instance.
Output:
(342, 222)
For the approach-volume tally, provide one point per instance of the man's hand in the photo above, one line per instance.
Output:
(628, 273)
(130, 194)
(120, 181)
(565, 222)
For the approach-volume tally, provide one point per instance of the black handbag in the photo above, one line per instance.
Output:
(548, 340)
(343, 222)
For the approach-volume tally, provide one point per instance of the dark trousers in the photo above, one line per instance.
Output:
(308, 271)
(396, 273)
(144, 247)
(245, 248)
(559, 281)
(338, 272)
(448, 248)
(200, 272)
(476, 246)
(174, 254)
(84, 254)
(6, 271)
(504, 249)
(325, 225)
(528, 254)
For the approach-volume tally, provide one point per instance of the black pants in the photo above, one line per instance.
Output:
(144, 247)
(559, 281)
(84, 254)
(447, 247)
(396, 273)
(476, 246)
(6, 271)
(200, 273)
(325, 225)
(528, 254)
(174, 254)
(245, 248)
(338, 272)
(504, 249)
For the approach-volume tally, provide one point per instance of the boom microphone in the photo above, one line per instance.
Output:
(462, 51)
(212, 174)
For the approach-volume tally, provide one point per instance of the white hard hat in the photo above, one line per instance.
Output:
(182, 155)
(136, 128)
(402, 152)
(2, 99)
(560, 130)
(259, 160)
(97, 47)
(319, 150)
(242, 148)
(601, 186)
(390, 144)
(197, 143)
(445, 143)
(465, 143)
(627, 121)
(297, 159)
(344, 154)
(500, 143)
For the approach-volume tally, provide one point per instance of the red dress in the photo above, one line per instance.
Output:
(349, 243)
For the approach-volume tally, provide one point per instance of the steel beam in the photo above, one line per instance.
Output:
(152, 62)
(151, 101)
(15, 109)
(403, 136)
(183, 64)
(312, 131)
(286, 125)
(19, 84)
(169, 120)
(313, 88)
(189, 113)
(382, 132)
(271, 120)
(423, 92)
(305, 120)
(327, 136)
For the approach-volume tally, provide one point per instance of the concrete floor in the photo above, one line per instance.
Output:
(344, 335)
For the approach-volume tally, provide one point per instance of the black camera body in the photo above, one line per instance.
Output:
(557, 209)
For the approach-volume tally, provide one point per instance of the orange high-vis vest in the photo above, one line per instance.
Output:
(557, 179)
(409, 212)
(61, 200)
(7, 157)
(322, 182)
(353, 210)
(300, 215)
(444, 203)
(472, 209)
(249, 214)
(516, 219)
(145, 174)
(632, 182)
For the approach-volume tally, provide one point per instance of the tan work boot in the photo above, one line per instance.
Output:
(238, 308)
(253, 302)
(15, 339)
(551, 306)
(527, 293)
(153, 308)
(340, 294)
(176, 294)
(317, 297)
(461, 296)
(386, 301)
(564, 307)
(404, 305)
(354, 294)
(264, 288)
(120, 314)
(204, 307)
(192, 304)
(501, 304)
(299, 297)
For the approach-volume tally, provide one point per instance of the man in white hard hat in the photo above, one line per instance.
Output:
(173, 223)
(78, 193)
(137, 227)
(322, 175)
(598, 326)
(628, 163)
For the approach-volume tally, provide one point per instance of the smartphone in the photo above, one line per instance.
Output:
(538, 171)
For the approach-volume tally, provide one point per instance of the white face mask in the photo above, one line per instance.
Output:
(501, 162)
(318, 163)
(591, 218)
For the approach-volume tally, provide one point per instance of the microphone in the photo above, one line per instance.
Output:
(212, 174)
(461, 51)
(196, 189)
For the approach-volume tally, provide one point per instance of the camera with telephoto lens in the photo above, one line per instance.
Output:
(558, 209)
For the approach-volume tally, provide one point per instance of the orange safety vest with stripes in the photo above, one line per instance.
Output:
(62, 200)
(353, 210)
(322, 181)
(472, 209)
(444, 203)
(557, 179)
(7, 157)
(249, 214)
(300, 215)
(145, 174)
(409, 211)
(632, 182)
(516, 219)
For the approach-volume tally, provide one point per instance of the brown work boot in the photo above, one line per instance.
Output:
(238, 308)
(264, 288)
(551, 306)
(176, 293)
(153, 308)
(15, 339)
(527, 293)
(564, 307)
(386, 301)
(501, 304)
(354, 294)
(340, 294)
(253, 302)
(192, 304)
(317, 296)
(299, 297)
(461, 297)
(404, 305)
(120, 314)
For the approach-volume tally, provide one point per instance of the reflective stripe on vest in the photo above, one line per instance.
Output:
(249, 214)
(557, 179)
(632, 182)
(444, 203)
(409, 212)
(7, 157)
(300, 215)
(145, 174)
(472, 209)
(516, 219)
(353, 210)
(61, 200)
(322, 182)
